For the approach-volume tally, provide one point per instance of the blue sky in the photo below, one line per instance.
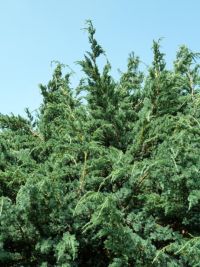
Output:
(35, 32)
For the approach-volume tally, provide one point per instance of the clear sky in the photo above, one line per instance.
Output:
(35, 32)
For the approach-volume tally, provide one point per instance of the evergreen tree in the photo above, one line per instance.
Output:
(112, 180)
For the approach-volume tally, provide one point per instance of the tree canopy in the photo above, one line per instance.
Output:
(108, 173)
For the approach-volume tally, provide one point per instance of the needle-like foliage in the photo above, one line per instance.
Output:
(111, 180)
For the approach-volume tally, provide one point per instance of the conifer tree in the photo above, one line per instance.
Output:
(112, 180)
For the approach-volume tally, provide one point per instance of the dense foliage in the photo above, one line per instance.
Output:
(106, 174)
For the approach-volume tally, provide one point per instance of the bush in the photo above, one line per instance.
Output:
(108, 173)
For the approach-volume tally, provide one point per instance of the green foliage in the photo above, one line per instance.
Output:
(113, 180)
